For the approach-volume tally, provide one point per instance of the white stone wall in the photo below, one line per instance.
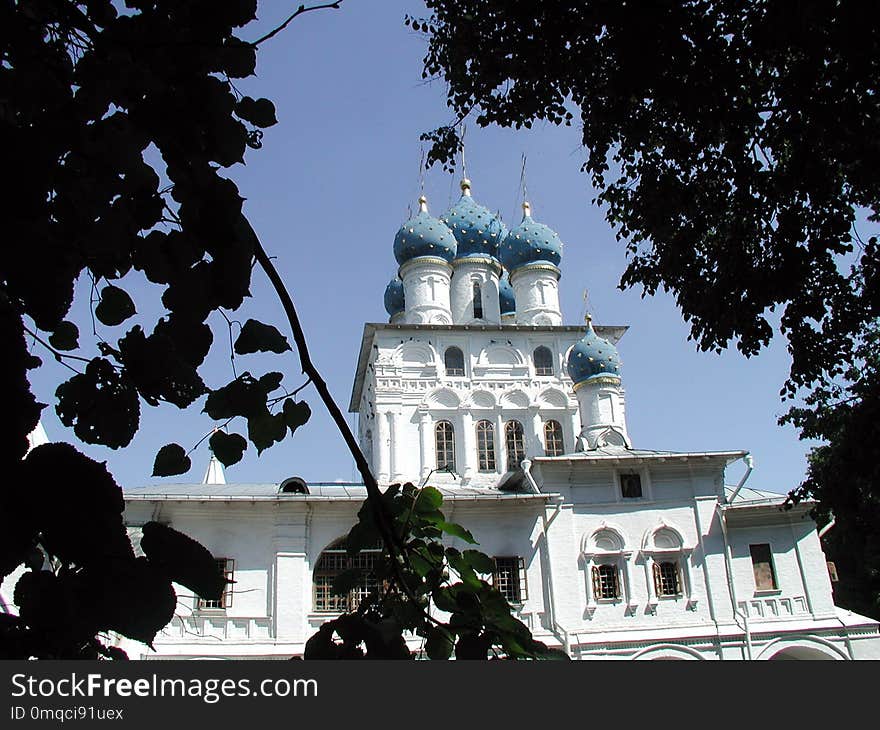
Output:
(536, 290)
(426, 290)
(467, 272)
(407, 392)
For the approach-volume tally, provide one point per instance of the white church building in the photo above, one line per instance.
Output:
(475, 386)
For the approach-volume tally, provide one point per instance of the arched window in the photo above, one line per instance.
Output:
(478, 301)
(332, 563)
(515, 442)
(666, 564)
(453, 359)
(444, 441)
(607, 569)
(485, 446)
(553, 443)
(543, 361)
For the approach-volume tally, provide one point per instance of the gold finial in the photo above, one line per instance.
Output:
(527, 209)
(589, 320)
(466, 186)
(423, 204)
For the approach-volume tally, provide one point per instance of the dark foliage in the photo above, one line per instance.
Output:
(732, 143)
(118, 123)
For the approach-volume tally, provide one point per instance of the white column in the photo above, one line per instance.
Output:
(394, 438)
(425, 450)
(575, 429)
(382, 447)
(535, 447)
(467, 446)
(500, 443)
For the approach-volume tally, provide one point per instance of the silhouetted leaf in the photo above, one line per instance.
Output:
(65, 336)
(295, 414)
(101, 405)
(265, 429)
(228, 448)
(170, 461)
(346, 581)
(258, 337)
(259, 112)
(115, 306)
(183, 560)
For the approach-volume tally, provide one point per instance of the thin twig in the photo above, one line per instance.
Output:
(299, 11)
(58, 355)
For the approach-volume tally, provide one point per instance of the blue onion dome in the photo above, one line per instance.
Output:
(478, 231)
(530, 243)
(424, 235)
(505, 295)
(593, 359)
(394, 301)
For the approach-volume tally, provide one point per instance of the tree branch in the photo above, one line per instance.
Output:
(299, 11)
(383, 519)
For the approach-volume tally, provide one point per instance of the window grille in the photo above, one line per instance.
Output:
(509, 578)
(762, 565)
(543, 359)
(553, 443)
(478, 301)
(444, 440)
(453, 359)
(606, 583)
(667, 579)
(630, 486)
(515, 441)
(227, 567)
(485, 446)
(333, 562)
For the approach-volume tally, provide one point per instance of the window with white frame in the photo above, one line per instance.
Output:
(554, 445)
(227, 567)
(606, 584)
(543, 360)
(606, 562)
(334, 561)
(666, 562)
(631, 486)
(453, 361)
(444, 441)
(485, 446)
(514, 438)
(478, 300)
(667, 578)
(509, 577)
(762, 566)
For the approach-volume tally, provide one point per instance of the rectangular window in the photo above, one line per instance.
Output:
(667, 579)
(631, 486)
(227, 567)
(510, 578)
(605, 582)
(762, 565)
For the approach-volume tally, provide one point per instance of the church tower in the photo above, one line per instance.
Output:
(476, 269)
(424, 248)
(471, 376)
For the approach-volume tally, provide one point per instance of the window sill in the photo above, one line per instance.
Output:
(768, 592)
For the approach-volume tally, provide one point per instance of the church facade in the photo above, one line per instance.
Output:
(474, 385)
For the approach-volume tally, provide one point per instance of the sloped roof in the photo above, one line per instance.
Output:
(320, 491)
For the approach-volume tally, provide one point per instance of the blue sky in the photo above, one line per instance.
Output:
(335, 180)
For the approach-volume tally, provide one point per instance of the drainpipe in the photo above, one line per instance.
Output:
(825, 530)
(750, 466)
(728, 562)
(551, 604)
